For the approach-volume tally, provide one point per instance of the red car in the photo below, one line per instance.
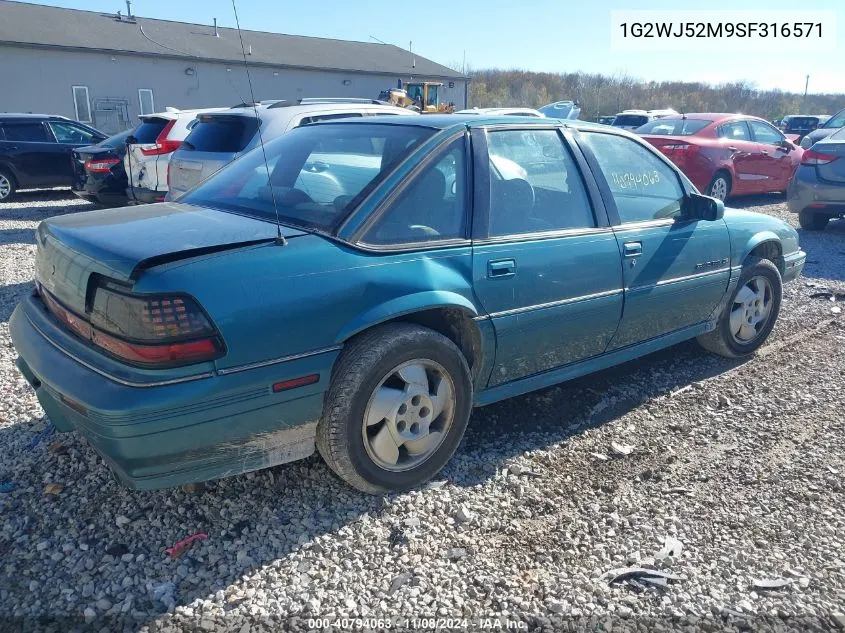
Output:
(726, 154)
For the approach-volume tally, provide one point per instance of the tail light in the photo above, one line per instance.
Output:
(162, 144)
(100, 166)
(162, 330)
(812, 157)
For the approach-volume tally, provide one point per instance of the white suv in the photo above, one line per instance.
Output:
(220, 137)
(632, 119)
(150, 148)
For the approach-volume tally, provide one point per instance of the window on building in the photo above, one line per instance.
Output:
(145, 101)
(81, 104)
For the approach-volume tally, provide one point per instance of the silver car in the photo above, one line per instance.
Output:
(817, 190)
(220, 137)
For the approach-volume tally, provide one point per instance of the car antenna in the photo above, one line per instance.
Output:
(280, 239)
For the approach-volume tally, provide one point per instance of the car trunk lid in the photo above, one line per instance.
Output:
(834, 170)
(120, 244)
(82, 155)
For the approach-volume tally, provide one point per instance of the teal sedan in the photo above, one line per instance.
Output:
(363, 287)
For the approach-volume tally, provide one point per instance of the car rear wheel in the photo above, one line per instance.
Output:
(813, 220)
(7, 186)
(749, 316)
(397, 408)
(720, 186)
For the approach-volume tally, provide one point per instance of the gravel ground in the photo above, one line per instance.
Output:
(735, 467)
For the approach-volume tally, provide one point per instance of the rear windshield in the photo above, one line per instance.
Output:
(837, 120)
(149, 129)
(801, 122)
(221, 134)
(317, 173)
(635, 120)
(116, 141)
(673, 127)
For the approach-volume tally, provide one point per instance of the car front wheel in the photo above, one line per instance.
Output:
(812, 220)
(749, 316)
(397, 408)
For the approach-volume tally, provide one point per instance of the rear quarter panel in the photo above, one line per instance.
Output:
(274, 301)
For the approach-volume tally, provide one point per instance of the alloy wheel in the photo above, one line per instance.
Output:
(719, 189)
(751, 310)
(5, 187)
(409, 415)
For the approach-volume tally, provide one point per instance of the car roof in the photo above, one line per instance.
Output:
(715, 117)
(30, 115)
(273, 109)
(445, 121)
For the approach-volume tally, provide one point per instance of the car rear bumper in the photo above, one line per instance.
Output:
(806, 191)
(165, 435)
(139, 195)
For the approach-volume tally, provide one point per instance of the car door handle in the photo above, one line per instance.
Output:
(733, 149)
(12, 146)
(501, 268)
(632, 249)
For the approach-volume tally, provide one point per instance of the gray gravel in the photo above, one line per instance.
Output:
(728, 476)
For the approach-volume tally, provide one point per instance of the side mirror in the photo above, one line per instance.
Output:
(698, 207)
(786, 145)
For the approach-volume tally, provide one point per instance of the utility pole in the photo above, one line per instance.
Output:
(804, 104)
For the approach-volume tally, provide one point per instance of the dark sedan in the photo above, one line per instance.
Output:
(817, 190)
(98, 172)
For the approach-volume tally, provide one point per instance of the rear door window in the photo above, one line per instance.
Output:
(221, 134)
(736, 131)
(535, 185)
(432, 208)
(28, 132)
(149, 129)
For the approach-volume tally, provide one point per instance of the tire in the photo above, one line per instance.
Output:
(368, 368)
(7, 186)
(813, 220)
(721, 183)
(723, 340)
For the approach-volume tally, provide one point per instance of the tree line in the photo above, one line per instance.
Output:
(600, 95)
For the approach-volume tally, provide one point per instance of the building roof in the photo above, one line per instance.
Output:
(27, 24)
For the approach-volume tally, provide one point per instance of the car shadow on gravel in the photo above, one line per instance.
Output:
(10, 296)
(273, 518)
(553, 415)
(34, 206)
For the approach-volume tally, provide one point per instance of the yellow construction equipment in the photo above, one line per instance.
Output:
(422, 96)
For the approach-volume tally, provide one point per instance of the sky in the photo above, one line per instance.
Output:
(538, 35)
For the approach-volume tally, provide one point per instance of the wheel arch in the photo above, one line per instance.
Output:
(7, 168)
(448, 313)
(765, 245)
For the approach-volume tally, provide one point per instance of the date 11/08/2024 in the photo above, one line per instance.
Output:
(418, 623)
